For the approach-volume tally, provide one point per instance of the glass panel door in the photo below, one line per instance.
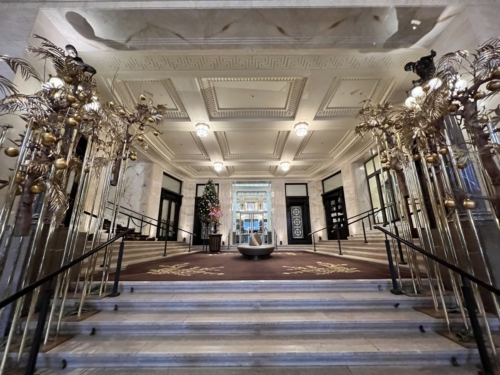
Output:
(169, 216)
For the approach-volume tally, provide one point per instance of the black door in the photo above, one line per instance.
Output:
(199, 229)
(298, 220)
(170, 205)
(335, 213)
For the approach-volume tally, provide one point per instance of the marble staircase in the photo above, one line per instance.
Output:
(257, 323)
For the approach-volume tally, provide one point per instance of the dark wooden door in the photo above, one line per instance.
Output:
(335, 213)
(298, 220)
(170, 205)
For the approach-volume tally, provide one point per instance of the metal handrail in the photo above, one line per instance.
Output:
(51, 276)
(467, 292)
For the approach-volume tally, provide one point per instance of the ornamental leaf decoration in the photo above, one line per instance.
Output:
(27, 70)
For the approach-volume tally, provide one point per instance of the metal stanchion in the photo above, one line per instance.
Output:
(364, 231)
(400, 249)
(115, 292)
(314, 242)
(338, 239)
(395, 288)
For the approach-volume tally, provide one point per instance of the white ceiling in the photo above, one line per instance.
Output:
(251, 75)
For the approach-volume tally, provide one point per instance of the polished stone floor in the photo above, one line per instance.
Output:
(340, 370)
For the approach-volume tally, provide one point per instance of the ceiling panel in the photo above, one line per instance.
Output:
(322, 141)
(181, 143)
(249, 142)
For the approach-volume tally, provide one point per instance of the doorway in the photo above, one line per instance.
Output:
(170, 205)
(335, 214)
(298, 218)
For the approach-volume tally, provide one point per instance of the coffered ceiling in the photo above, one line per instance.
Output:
(251, 75)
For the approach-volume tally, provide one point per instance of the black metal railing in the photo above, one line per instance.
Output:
(48, 283)
(368, 214)
(468, 294)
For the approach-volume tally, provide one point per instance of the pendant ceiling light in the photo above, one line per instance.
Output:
(218, 166)
(301, 129)
(202, 130)
(285, 166)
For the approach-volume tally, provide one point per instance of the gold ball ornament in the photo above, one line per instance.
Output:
(71, 121)
(76, 105)
(483, 119)
(443, 151)
(86, 169)
(133, 157)
(111, 104)
(78, 118)
(122, 112)
(71, 98)
(82, 96)
(493, 86)
(426, 87)
(156, 133)
(67, 79)
(416, 157)
(12, 152)
(142, 97)
(150, 119)
(140, 138)
(461, 165)
(60, 163)
(48, 139)
(387, 166)
(383, 160)
(20, 177)
(479, 95)
(141, 128)
(19, 190)
(37, 188)
(450, 203)
(429, 158)
(453, 108)
(469, 204)
(495, 73)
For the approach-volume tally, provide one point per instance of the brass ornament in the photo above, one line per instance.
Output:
(20, 177)
(141, 128)
(495, 73)
(140, 138)
(48, 139)
(443, 151)
(112, 104)
(142, 97)
(67, 79)
(150, 119)
(387, 166)
(156, 133)
(12, 152)
(483, 119)
(133, 157)
(60, 163)
(426, 87)
(82, 96)
(71, 98)
(469, 204)
(37, 188)
(86, 169)
(429, 158)
(19, 190)
(76, 105)
(450, 203)
(493, 86)
(122, 112)
(462, 165)
(383, 160)
(71, 121)
(416, 157)
(453, 108)
(479, 95)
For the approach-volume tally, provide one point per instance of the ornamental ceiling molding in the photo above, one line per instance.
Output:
(292, 102)
(276, 155)
(178, 113)
(381, 91)
(201, 147)
(300, 155)
(142, 61)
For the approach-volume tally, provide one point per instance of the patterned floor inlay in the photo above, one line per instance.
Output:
(325, 269)
(180, 270)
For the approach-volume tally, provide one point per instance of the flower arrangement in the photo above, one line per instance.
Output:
(215, 214)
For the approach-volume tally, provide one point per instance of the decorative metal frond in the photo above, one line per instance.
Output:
(58, 200)
(59, 64)
(462, 155)
(487, 59)
(38, 168)
(448, 66)
(27, 70)
(7, 87)
(19, 102)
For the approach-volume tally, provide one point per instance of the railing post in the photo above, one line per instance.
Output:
(115, 292)
(338, 239)
(166, 239)
(400, 249)
(314, 242)
(37, 338)
(395, 289)
(369, 222)
(190, 239)
(470, 303)
(364, 231)
(140, 229)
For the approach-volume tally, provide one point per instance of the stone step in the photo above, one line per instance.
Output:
(266, 322)
(257, 286)
(254, 301)
(375, 348)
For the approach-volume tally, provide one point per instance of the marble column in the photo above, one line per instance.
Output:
(186, 217)
(279, 210)
(316, 208)
(225, 199)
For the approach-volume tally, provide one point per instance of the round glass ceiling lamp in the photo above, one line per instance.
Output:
(285, 166)
(418, 92)
(301, 129)
(218, 166)
(411, 102)
(202, 130)
(461, 84)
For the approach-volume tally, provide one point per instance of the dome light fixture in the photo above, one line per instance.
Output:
(301, 128)
(435, 83)
(285, 166)
(411, 102)
(218, 166)
(202, 130)
(418, 92)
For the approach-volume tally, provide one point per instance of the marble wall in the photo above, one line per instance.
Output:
(186, 217)
(316, 208)
(278, 202)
